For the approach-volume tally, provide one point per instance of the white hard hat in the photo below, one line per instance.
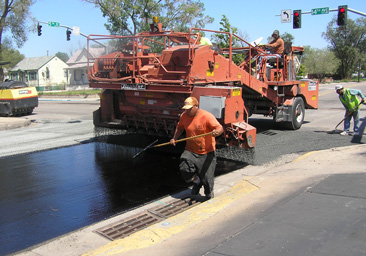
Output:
(338, 87)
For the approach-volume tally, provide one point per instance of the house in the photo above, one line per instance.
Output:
(40, 72)
(78, 66)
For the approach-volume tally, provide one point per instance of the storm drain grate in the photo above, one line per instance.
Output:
(147, 218)
(128, 226)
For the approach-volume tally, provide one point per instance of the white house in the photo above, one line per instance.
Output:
(78, 66)
(40, 72)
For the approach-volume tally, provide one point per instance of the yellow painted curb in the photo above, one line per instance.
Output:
(176, 224)
(303, 156)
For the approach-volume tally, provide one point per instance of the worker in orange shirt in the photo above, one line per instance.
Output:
(198, 161)
(277, 44)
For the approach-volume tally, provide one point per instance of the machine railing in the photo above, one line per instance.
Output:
(254, 54)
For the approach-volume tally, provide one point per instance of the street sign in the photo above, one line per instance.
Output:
(316, 11)
(76, 31)
(285, 16)
(53, 24)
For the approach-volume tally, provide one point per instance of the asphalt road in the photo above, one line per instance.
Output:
(55, 123)
(58, 123)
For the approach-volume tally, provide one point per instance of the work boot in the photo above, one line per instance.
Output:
(343, 133)
(210, 195)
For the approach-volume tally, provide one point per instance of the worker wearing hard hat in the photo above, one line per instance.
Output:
(351, 101)
(198, 161)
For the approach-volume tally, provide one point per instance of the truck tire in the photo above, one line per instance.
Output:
(297, 115)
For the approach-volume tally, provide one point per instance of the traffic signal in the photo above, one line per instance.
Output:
(68, 33)
(39, 28)
(297, 19)
(342, 15)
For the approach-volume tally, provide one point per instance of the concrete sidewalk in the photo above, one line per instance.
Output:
(232, 222)
(8, 123)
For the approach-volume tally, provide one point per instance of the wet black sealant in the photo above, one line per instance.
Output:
(50, 193)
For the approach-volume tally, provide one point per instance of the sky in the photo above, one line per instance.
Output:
(254, 18)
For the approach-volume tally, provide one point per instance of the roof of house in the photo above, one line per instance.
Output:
(33, 63)
(81, 56)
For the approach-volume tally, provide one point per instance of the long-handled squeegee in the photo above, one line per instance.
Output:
(348, 114)
(168, 143)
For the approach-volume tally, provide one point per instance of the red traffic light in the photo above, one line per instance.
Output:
(342, 15)
(297, 19)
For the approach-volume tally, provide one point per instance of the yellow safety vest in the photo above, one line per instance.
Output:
(205, 41)
(350, 101)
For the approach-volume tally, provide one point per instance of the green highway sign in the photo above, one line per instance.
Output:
(53, 24)
(316, 11)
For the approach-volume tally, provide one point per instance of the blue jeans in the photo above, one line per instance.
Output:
(356, 119)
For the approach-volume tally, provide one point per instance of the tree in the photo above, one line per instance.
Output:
(129, 17)
(10, 55)
(286, 37)
(348, 43)
(62, 56)
(14, 14)
(320, 62)
(302, 71)
(223, 40)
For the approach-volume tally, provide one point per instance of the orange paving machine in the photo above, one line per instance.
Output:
(145, 79)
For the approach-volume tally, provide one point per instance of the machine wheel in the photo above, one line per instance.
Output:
(297, 115)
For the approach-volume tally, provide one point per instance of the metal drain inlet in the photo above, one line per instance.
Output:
(145, 219)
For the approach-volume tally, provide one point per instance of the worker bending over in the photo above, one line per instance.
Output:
(198, 161)
(351, 103)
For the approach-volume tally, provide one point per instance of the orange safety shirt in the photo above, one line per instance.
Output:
(278, 46)
(203, 122)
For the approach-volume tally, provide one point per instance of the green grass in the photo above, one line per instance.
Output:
(71, 93)
(353, 79)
